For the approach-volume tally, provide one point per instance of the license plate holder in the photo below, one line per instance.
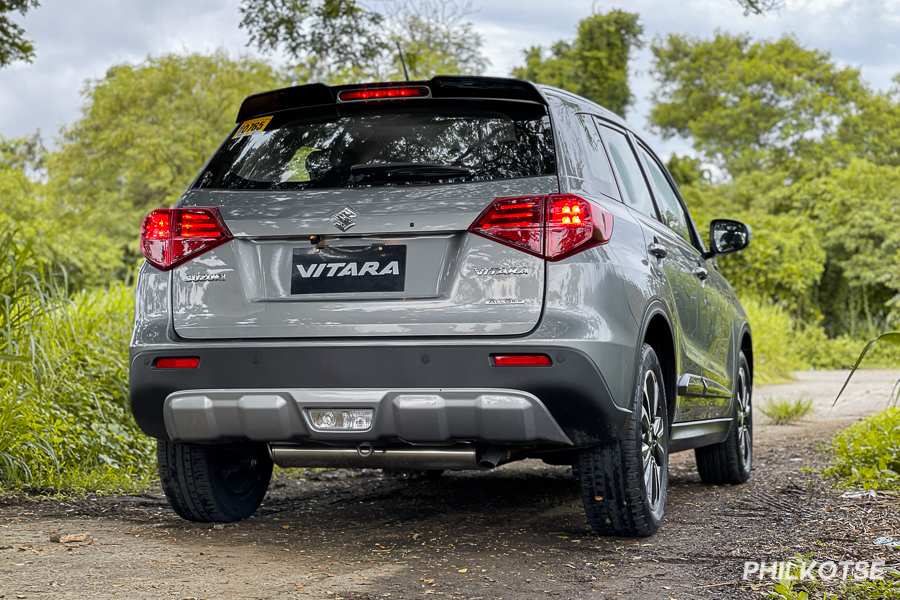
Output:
(348, 269)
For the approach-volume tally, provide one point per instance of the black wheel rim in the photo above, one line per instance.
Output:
(240, 471)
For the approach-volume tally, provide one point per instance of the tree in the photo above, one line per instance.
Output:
(784, 262)
(687, 170)
(595, 64)
(747, 104)
(436, 38)
(873, 132)
(322, 35)
(856, 212)
(25, 153)
(13, 45)
(144, 133)
(759, 7)
(339, 41)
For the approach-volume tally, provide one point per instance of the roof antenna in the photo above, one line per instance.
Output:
(402, 60)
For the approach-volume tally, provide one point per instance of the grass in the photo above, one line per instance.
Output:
(782, 345)
(65, 424)
(887, 588)
(812, 588)
(775, 352)
(867, 454)
(784, 411)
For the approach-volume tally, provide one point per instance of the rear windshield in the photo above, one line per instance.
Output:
(409, 143)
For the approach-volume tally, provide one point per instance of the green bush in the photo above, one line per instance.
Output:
(774, 342)
(782, 345)
(867, 454)
(64, 419)
(822, 352)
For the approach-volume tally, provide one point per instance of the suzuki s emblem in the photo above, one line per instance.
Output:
(344, 219)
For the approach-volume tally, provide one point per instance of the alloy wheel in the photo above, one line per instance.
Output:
(653, 442)
(744, 419)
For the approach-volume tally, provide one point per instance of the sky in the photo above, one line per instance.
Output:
(79, 40)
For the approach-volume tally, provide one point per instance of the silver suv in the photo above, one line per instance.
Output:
(446, 274)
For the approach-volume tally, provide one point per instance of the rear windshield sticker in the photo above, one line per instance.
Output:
(251, 126)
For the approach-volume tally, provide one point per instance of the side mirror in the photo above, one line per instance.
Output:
(726, 236)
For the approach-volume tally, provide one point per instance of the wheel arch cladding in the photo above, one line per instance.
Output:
(658, 334)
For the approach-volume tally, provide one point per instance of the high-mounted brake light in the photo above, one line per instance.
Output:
(552, 226)
(382, 93)
(170, 236)
(520, 360)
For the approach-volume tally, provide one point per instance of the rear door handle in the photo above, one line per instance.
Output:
(700, 273)
(657, 250)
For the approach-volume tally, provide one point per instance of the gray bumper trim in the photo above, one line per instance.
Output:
(413, 415)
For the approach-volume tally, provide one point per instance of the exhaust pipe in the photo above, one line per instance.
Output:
(367, 457)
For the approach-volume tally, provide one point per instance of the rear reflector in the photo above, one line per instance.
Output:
(177, 362)
(552, 226)
(520, 360)
(171, 236)
(381, 93)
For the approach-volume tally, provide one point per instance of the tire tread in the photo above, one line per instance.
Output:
(185, 472)
(614, 473)
(720, 463)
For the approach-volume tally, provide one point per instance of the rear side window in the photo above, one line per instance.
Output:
(422, 142)
(671, 211)
(598, 172)
(636, 194)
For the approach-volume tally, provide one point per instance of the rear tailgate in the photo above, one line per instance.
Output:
(351, 219)
(268, 282)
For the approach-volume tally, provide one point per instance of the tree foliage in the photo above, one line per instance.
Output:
(340, 41)
(144, 133)
(595, 64)
(856, 211)
(750, 105)
(13, 45)
(873, 132)
(810, 159)
(325, 35)
(26, 153)
(759, 7)
(783, 264)
(436, 38)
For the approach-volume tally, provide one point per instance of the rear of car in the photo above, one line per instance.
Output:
(380, 253)
(402, 276)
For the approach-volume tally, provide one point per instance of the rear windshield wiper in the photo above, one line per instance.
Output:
(406, 171)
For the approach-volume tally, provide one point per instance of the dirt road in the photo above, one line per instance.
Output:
(517, 532)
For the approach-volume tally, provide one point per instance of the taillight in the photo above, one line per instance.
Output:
(171, 236)
(383, 93)
(552, 226)
(513, 221)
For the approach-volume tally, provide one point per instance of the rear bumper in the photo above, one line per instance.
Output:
(570, 396)
(434, 416)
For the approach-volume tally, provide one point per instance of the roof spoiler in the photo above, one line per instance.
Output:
(318, 94)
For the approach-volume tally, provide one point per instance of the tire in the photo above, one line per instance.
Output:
(624, 485)
(732, 460)
(214, 484)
